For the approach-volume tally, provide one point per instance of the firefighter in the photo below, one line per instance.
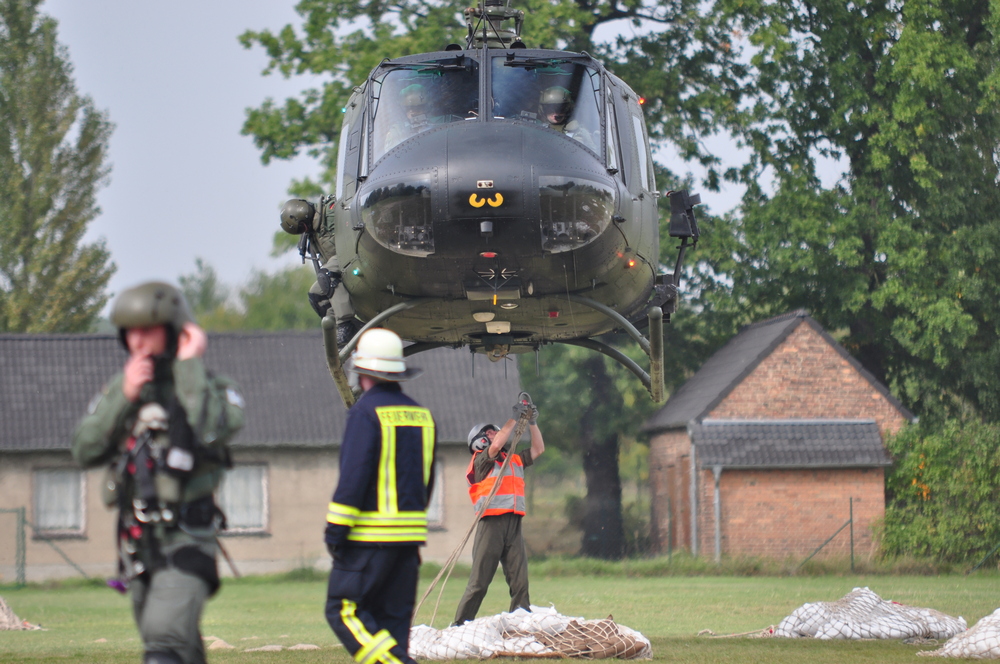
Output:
(498, 534)
(163, 425)
(377, 519)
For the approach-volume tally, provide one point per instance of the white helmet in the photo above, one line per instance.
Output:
(379, 354)
(477, 437)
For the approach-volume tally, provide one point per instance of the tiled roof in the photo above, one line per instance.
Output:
(722, 372)
(788, 444)
(46, 382)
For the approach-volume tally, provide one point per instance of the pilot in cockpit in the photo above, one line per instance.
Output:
(555, 105)
(415, 102)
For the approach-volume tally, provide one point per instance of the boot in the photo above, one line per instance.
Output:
(346, 331)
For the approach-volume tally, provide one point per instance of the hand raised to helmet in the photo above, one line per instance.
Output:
(191, 342)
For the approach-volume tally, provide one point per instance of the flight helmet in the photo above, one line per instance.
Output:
(558, 101)
(150, 304)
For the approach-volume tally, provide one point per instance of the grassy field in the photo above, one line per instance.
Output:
(86, 623)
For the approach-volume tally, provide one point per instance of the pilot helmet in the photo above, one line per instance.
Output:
(414, 98)
(379, 354)
(150, 304)
(477, 437)
(556, 100)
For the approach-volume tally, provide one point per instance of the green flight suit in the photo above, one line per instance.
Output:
(173, 570)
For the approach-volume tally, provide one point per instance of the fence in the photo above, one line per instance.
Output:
(20, 541)
(21, 546)
(848, 523)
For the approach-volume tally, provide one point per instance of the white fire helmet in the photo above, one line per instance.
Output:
(379, 354)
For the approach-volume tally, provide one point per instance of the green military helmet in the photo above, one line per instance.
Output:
(414, 96)
(150, 304)
(297, 216)
(556, 100)
(555, 95)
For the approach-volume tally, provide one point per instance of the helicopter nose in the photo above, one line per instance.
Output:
(517, 187)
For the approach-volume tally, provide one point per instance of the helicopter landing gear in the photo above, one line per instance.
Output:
(331, 332)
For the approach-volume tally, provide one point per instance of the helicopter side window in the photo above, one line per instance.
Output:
(562, 96)
(645, 165)
(410, 99)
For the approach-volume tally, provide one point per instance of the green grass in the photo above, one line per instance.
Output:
(670, 610)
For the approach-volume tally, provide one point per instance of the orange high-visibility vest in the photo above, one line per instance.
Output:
(509, 497)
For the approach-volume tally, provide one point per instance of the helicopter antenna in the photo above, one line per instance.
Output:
(494, 16)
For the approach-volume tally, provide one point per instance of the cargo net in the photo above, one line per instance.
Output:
(542, 632)
(980, 642)
(861, 614)
(10, 621)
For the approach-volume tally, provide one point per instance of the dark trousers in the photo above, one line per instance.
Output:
(498, 541)
(369, 601)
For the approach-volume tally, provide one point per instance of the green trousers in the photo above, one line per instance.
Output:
(167, 611)
(498, 541)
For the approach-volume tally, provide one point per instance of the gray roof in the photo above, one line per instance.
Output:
(46, 382)
(788, 444)
(727, 368)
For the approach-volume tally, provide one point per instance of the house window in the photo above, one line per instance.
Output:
(60, 503)
(435, 507)
(243, 497)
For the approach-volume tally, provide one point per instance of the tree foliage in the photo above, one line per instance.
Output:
(944, 492)
(900, 254)
(269, 301)
(53, 146)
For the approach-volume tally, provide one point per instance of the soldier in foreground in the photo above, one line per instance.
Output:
(498, 535)
(377, 519)
(162, 426)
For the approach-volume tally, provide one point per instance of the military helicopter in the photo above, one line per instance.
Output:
(497, 197)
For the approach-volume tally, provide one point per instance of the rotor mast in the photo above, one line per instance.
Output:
(495, 24)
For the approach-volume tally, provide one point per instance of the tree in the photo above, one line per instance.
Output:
(899, 256)
(53, 145)
(262, 304)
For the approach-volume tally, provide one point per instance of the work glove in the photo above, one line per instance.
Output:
(519, 410)
(533, 418)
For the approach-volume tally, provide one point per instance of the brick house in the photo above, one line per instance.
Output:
(769, 447)
(285, 458)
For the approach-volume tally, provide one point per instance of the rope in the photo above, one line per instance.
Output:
(753, 634)
(449, 564)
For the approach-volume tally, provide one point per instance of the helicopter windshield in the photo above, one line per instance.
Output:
(557, 94)
(410, 99)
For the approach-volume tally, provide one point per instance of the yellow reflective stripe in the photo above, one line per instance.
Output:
(349, 617)
(428, 452)
(399, 518)
(377, 649)
(342, 515)
(388, 536)
(387, 497)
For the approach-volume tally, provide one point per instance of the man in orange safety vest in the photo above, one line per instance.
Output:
(498, 534)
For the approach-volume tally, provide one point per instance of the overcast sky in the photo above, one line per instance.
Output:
(176, 83)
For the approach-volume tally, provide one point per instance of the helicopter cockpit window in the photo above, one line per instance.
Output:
(557, 94)
(409, 99)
